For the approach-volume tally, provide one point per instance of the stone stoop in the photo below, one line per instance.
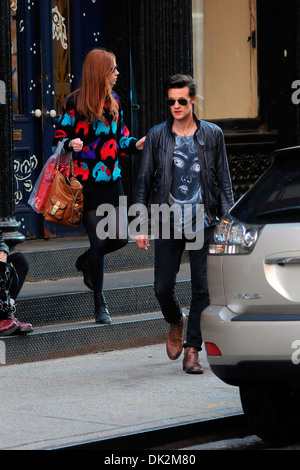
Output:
(60, 307)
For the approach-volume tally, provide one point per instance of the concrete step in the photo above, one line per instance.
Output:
(69, 300)
(60, 307)
(66, 340)
(55, 258)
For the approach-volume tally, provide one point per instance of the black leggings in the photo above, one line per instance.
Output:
(21, 266)
(100, 245)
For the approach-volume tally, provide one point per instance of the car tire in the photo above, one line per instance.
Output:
(272, 410)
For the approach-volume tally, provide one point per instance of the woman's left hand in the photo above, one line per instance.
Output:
(140, 143)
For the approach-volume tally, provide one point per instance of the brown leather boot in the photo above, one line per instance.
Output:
(175, 339)
(190, 361)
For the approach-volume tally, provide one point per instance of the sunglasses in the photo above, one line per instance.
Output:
(182, 101)
(114, 69)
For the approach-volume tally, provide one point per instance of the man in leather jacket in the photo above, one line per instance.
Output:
(184, 162)
(13, 270)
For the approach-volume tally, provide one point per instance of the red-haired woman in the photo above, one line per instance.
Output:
(91, 124)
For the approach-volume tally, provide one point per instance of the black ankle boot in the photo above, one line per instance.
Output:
(101, 310)
(82, 264)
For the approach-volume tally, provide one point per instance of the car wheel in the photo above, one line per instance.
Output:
(272, 410)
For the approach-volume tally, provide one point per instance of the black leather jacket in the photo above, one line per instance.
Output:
(155, 174)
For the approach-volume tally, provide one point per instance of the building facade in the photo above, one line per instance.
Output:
(244, 55)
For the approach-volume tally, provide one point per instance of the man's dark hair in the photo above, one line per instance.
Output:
(180, 81)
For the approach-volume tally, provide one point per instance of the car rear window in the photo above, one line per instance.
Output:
(274, 198)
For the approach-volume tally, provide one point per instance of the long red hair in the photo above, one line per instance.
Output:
(95, 90)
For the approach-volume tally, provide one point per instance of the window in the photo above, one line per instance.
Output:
(275, 197)
(225, 58)
(61, 51)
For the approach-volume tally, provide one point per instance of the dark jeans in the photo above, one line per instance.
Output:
(168, 254)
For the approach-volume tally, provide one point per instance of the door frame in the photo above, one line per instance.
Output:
(36, 89)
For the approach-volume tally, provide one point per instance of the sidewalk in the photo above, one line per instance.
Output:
(64, 401)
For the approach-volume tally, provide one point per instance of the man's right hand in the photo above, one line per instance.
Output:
(142, 241)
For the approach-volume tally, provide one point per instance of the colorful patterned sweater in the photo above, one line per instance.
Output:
(103, 143)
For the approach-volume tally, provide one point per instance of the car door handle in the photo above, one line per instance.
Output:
(284, 260)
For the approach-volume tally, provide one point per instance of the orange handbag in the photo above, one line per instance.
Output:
(64, 205)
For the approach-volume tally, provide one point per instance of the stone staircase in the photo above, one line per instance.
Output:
(60, 307)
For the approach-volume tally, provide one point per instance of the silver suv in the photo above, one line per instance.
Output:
(251, 330)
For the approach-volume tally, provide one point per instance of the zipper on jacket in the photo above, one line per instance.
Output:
(170, 164)
(203, 184)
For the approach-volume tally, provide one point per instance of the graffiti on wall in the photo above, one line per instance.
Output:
(23, 177)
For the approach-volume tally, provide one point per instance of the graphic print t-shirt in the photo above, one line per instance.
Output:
(185, 190)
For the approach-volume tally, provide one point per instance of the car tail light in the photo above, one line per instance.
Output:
(233, 237)
(212, 349)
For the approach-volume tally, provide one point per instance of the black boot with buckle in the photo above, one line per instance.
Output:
(101, 310)
(7, 325)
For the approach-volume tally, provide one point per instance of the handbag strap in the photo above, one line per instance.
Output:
(71, 162)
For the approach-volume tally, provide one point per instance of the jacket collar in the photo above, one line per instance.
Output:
(170, 121)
